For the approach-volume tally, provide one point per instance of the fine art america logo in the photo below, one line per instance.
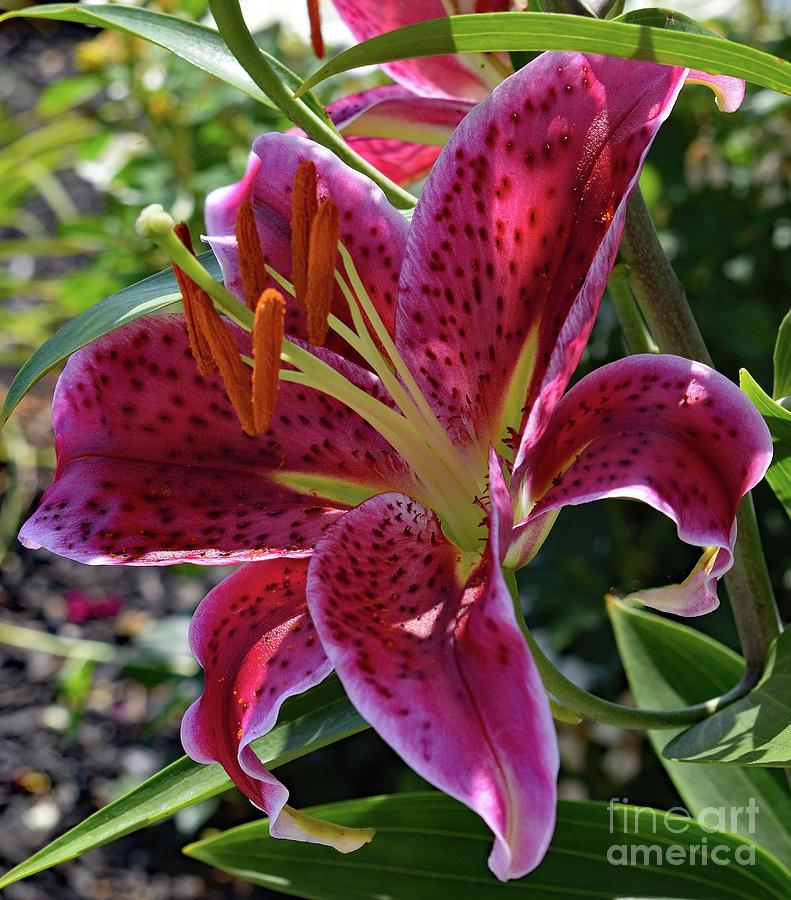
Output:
(693, 849)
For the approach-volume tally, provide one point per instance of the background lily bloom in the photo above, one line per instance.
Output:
(400, 133)
(376, 528)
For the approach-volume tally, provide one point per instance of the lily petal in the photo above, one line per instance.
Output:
(728, 91)
(670, 432)
(253, 636)
(372, 230)
(426, 643)
(515, 234)
(452, 77)
(396, 130)
(153, 467)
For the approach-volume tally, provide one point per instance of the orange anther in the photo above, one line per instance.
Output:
(315, 28)
(235, 374)
(251, 255)
(303, 210)
(321, 270)
(268, 329)
(211, 343)
(193, 297)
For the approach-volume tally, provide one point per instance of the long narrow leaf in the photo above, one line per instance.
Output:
(671, 44)
(427, 845)
(197, 44)
(778, 420)
(153, 294)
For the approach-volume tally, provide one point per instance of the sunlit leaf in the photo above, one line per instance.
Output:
(782, 359)
(778, 419)
(674, 43)
(197, 44)
(754, 731)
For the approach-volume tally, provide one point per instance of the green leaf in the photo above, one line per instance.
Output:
(670, 665)
(197, 44)
(754, 731)
(778, 419)
(428, 845)
(782, 359)
(306, 723)
(665, 18)
(673, 44)
(153, 294)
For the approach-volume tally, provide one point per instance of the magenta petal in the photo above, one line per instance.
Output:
(515, 234)
(454, 77)
(153, 467)
(501, 518)
(435, 661)
(396, 130)
(372, 230)
(661, 429)
(253, 636)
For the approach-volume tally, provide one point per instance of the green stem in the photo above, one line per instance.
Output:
(656, 288)
(669, 318)
(636, 335)
(588, 706)
(750, 589)
(231, 25)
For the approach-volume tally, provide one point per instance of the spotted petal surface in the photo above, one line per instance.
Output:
(454, 77)
(372, 230)
(516, 232)
(255, 640)
(426, 644)
(153, 467)
(670, 432)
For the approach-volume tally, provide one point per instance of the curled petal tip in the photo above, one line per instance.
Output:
(696, 595)
(295, 825)
(728, 91)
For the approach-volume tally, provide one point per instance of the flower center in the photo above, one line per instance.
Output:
(449, 481)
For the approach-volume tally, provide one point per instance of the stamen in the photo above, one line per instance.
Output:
(315, 28)
(192, 297)
(234, 373)
(251, 255)
(321, 270)
(303, 210)
(268, 332)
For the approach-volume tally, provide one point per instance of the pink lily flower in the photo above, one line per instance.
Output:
(420, 455)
